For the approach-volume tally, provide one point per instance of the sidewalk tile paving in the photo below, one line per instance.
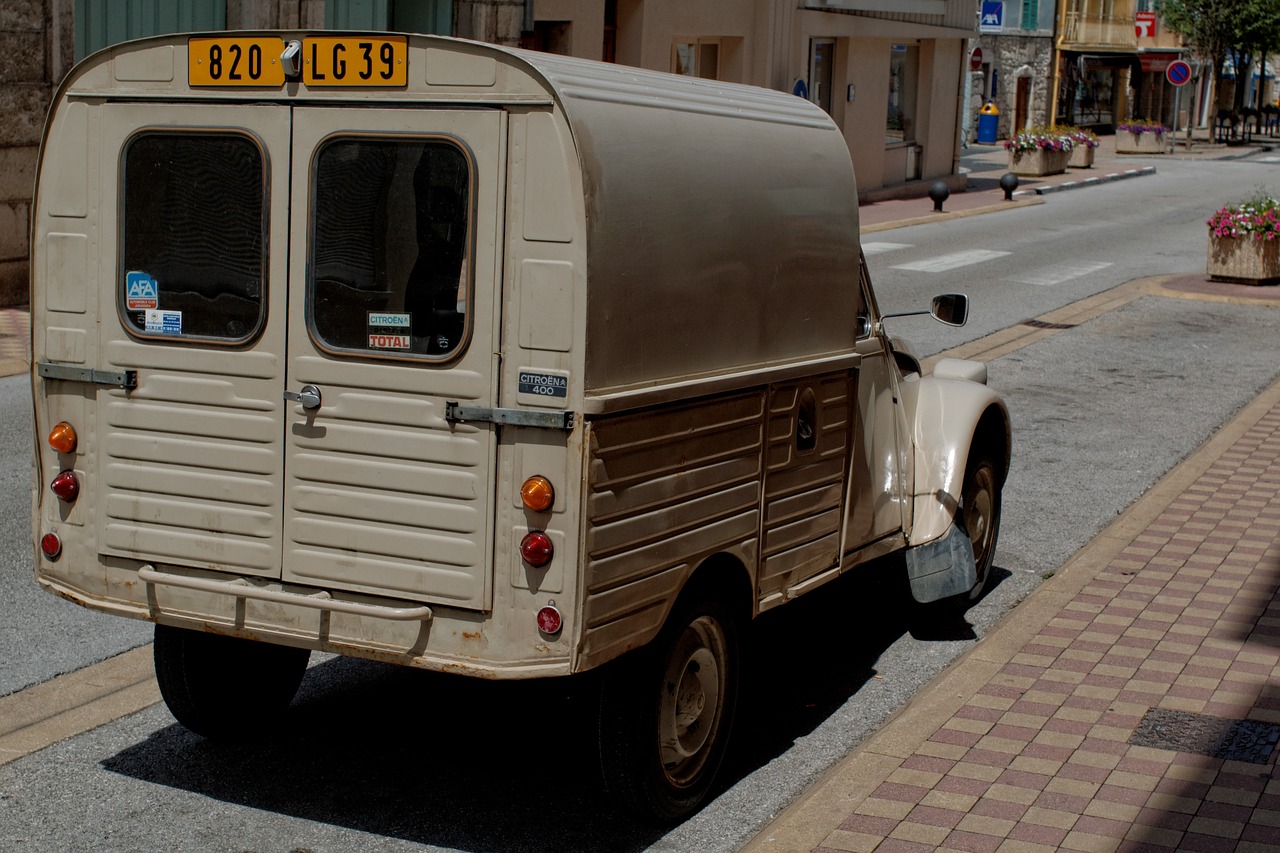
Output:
(1060, 748)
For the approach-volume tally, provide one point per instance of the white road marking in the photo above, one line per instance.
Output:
(880, 248)
(1058, 273)
(942, 263)
(1269, 159)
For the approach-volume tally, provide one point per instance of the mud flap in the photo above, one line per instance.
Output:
(942, 568)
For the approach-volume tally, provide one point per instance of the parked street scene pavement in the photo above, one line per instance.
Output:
(1132, 702)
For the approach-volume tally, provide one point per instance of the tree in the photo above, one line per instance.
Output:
(1218, 29)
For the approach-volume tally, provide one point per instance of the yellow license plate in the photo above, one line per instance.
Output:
(355, 61)
(235, 62)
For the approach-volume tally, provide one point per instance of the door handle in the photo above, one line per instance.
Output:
(309, 397)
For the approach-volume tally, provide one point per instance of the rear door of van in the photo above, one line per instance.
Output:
(300, 292)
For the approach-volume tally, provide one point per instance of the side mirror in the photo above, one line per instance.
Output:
(951, 308)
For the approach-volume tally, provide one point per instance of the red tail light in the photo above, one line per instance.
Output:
(549, 620)
(51, 545)
(536, 548)
(66, 486)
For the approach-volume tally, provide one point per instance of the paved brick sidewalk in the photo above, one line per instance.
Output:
(1044, 736)
(15, 341)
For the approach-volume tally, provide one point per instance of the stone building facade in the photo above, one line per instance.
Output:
(1017, 67)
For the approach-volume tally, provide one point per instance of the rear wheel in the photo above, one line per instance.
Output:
(666, 712)
(226, 688)
(980, 517)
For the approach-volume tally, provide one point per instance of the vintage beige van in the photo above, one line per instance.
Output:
(476, 360)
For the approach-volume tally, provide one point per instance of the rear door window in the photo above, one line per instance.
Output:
(390, 247)
(195, 236)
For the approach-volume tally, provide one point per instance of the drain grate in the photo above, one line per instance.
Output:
(1044, 324)
(1219, 737)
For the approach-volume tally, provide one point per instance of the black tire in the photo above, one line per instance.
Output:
(666, 712)
(226, 688)
(979, 517)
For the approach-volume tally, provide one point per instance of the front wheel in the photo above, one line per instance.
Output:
(226, 688)
(666, 712)
(980, 517)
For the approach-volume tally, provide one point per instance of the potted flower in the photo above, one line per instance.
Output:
(1039, 151)
(1244, 242)
(1143, 136)
(1084, 141)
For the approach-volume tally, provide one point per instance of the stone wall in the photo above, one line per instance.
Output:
(36, 50)
(494, 21)
(277, 15)
(1011, 55)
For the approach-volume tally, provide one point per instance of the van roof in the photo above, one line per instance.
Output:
(721, 220)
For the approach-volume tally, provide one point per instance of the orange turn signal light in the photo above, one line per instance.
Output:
(537, 494)
(62, 438)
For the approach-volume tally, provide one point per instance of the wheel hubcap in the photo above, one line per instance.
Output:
(978, 513)
(692, 706)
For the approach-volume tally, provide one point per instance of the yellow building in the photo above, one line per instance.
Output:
(1097, 60)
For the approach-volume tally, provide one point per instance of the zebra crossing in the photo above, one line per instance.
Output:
(1046, 276)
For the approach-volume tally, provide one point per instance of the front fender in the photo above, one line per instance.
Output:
(948, 416)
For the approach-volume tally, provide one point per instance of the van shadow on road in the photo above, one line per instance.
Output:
(474, 765)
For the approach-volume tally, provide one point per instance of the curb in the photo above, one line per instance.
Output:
(1089, 182)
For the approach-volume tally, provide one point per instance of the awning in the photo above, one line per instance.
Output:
(1158, 61)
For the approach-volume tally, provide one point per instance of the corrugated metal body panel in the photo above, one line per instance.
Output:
(385, 496)
(191, 462)
(665, 490)
(808, 447)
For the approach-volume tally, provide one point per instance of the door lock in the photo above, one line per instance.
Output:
(309, 397)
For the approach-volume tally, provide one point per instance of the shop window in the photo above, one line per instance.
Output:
(697, 58)
(390, 247)
(194, 242)
(904, 67)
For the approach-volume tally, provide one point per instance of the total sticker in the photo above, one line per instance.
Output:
(390, 342)
(141, 292)
(164, 322)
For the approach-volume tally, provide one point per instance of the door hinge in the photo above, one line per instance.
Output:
(126, 379)
(514, 417)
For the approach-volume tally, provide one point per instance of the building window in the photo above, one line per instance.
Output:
(1030, 14)
(697, 58)
(904, 67)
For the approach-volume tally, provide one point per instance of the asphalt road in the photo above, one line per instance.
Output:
(381, 758)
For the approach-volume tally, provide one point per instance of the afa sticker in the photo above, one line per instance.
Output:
(164, 322)
(141, 293)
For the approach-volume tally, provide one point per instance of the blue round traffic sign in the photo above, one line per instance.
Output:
(1178, 72)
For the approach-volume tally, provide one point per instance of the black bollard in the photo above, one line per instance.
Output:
(1008, 183)
(939, 192)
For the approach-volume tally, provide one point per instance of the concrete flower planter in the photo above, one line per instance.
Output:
(1128, 142)
(1244, 260)
(1081, 157)
(1037, 163)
